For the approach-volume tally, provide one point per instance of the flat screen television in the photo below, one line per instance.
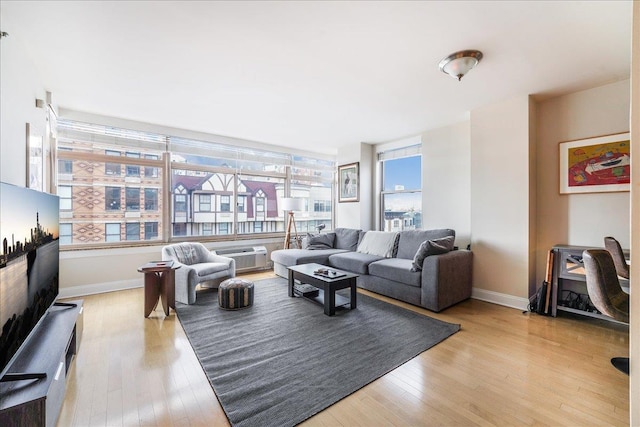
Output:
(29, 264)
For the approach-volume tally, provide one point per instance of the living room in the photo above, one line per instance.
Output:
(510, 222)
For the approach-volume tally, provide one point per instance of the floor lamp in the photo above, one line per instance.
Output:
(291, 204)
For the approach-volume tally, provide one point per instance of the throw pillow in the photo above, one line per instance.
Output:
(320, 241)
(378, 243)
(431, 247)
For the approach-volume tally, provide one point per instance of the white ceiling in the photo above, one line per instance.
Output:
(314, 75)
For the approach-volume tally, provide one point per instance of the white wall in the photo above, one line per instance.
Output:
(358, 214)
(579, 219)
(20, 85)
(446, 180)
(500, 199)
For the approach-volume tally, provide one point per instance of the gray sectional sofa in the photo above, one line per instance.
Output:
(444, 280)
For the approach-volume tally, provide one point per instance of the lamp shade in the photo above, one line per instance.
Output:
(292, 204)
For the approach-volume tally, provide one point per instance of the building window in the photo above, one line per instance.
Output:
(151, 172)
(207, 229)
(150, 199)
(401, 196)
(225, 204)
(322, 206)
(181, 203)
(133, 230)
(150, 230)
(65, 166)
(112, 168)
(112, 198)
(132, 196)
(133, 170)
(241, 203)
(180, 229)
(257, 227)
(223, 228)
(112, 232)
(66, 234)
(64, 192)
(259, 204)
(205, 202)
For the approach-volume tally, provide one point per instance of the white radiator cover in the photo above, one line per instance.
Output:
(247, 257)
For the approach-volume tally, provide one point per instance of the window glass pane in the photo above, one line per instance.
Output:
(66, 234)
(401, 197)
(150, 230)
(133, 199)
(112, 198)
(112, 232)
(112, 168)
(201, 198)
(150, 199)
(149, 171)
(317, 209)
(64, 191)
(133, 170)
(402, 211)
(133, 230)
(402, 174)
(261, 213)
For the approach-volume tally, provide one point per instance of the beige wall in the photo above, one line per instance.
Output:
(579, 219)
(634, 327)
(446, 180)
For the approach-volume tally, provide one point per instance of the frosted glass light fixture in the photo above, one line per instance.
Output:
(460, 63)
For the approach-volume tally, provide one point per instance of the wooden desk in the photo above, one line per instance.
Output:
(569, 279)
(159, 283)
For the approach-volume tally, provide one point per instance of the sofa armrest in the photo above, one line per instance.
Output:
(231, 263)
(446, 279)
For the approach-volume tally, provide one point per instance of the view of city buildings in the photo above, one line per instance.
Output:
(110, 194)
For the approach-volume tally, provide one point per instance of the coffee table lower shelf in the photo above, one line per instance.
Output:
(319, 299)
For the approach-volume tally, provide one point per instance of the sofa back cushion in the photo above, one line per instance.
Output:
(346, 238)
(410, 240)
(319, 241)
(380, 243)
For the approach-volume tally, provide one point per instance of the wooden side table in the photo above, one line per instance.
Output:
(159, 283)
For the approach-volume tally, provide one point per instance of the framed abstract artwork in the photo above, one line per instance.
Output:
(349, 182)
(596, 165)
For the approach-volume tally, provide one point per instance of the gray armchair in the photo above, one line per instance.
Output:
(197, 266)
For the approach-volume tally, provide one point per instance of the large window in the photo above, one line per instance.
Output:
(112, 183)
(401, 198)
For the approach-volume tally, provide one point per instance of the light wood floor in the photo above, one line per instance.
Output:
(503, 368)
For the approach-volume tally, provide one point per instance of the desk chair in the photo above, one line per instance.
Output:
(606, 293)
(613, 246)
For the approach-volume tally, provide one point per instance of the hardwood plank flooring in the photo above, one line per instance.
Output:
(504, 367)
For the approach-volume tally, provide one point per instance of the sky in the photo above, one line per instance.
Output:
(18, 208)
(405, 171)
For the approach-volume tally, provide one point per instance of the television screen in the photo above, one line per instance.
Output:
(28, 264)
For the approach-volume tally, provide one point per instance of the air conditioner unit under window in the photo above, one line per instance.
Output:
(247, 257)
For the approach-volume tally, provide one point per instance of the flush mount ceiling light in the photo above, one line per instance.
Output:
(458, 64)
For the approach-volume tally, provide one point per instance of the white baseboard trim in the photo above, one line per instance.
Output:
(500, 299)
(99, 288)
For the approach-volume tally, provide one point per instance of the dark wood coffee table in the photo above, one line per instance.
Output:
(327, 286)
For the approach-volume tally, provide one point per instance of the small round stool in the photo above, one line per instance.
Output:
(234, 294)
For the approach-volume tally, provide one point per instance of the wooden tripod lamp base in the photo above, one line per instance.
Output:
(291, 204)
(287, 236)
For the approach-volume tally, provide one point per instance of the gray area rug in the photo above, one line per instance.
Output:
(282, 360)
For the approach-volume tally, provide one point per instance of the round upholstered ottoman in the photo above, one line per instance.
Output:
(234, 294)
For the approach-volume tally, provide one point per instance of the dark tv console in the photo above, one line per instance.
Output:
(34, 387)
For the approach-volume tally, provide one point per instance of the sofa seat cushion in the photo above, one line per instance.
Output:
(396, 269)
(353, 261)
(207, 268)
(289, 257)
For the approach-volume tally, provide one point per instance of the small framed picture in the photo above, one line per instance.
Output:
(349, 182)
(596, 165)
